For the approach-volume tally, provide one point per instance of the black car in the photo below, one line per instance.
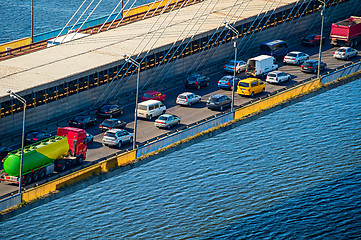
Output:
(310, 66)
(109, 111)
(4, 151)
(82, 121)
(197, 81)
(312, 40)
(36, 136)
(218, 102)
(112, 123)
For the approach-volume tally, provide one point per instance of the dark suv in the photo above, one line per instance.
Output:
(310, 66)
(82, 121)
(218, 102)
(197, 81)
(109, 111)
(36, 136)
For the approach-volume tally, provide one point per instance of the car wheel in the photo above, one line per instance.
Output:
(110, 115)
(121, 112)
(207, 84)
(190, 104)
(315, 70)
(131, 140)
(221, 108)
(168, 127)
(119, 145)
(178, 122)
(199, 87)
(263, 90)
(252, 94)
(298, 62)
(288, 79)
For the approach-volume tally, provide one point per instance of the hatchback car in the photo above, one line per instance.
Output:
(111, 123)
(345, 53)
(250, 86)
(82, 121)
(109, 111)
(116, 137)
(197, 81)
(277, 77)
(310, 66)
(36, 136)
(312, 40)
(295, 58)
(218, 102)
(153, 95)
(188, 99)
(166, 121)
(226, 82)
(240, 66)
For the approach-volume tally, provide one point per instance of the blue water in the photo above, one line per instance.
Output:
(293, 174)
(15, 15)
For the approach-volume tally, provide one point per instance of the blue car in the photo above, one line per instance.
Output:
(226, 82)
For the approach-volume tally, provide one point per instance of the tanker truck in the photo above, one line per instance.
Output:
(40, 159)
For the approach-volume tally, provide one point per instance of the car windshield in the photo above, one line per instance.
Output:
(163, 118)
(147, 95)
(227, 79)
(213, 100)
(307, 64)
(265, 48)
(109, 122)
(341, 50)
(182, 97)
(79, 118)
(272, 75)
(142, 107)
(105, 107)
(292, 54)
(110, 134)
(243, 84)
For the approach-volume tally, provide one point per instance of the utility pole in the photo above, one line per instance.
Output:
(32, 21)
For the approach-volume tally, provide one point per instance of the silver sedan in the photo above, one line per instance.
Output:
(295, 58)
(345, 53)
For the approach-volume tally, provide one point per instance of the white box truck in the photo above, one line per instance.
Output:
(261, 65)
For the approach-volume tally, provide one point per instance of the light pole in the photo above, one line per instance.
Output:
(319, 51)
(129, 59)
(32, 21)
(235, 59)
(22, 100)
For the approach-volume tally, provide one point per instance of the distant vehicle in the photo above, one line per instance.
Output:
(275, 48)
(57, 153)
(277, 77)
(150, 108)
(4, 151)
(346, 32)
(66, 38)
(166, 121)
(312, 40)
(295, 57)
(89, 138)
(82, 121)
(197, 81)
(36, 136)
(311, 66)
(345, 53)
(111, 123)
(261, 65)
(153, 95)
(109, 111)
(240, 66)
(218, 102)
(250, 86)
(188, 99)
(117, 137)
(226, 82)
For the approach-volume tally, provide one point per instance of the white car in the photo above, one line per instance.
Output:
(240, 66)
(116, 137)
(345, 53)
(277, 77)
(188, 98)
(295, 58)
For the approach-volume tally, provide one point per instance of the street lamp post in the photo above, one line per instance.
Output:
(320, 48)
(235, 31)
(129, 59)
(22, 100)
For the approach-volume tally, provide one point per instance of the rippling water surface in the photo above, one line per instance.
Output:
(293, 174)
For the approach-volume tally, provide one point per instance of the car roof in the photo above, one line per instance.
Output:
(311, 61)
(216, 96)
(166, 115)
(115, 130)
(275, 72)
(111, 119)
(149, 102)
(261, 57)
(248, 80)
(227, 76)
(343, 48)
(273, 42)
(152, 92)
(186, 93)
(296, 52)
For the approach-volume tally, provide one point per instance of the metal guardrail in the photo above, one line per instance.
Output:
(341, 73)
(10, 201)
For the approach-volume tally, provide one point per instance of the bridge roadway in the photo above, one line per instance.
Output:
(189, 115)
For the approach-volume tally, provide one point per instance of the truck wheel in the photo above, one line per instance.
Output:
(42, 173)
(35, 176)
(28, 178)
(60, 166)
(79, 159)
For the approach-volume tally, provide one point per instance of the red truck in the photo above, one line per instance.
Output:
(57, 153)
(346, 32)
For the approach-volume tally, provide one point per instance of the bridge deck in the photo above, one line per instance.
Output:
(68, 59)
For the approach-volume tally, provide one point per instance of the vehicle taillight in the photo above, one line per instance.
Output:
(301, 65)
(109, 127)
(228, 83)
(196, 82)
(35, 139)
(309, 67)
(100, 126)
(224, 66)
(106, 112)
(97, 111)
(293, 58)
(219, 82)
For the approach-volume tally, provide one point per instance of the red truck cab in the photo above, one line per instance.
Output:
(77, 140)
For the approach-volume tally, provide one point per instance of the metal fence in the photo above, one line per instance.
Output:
(341, 73)
(184, 134)
(10, 201)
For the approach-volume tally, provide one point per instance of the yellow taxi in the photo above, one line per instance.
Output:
(250, 86)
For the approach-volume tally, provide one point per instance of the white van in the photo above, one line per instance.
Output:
(150, 108)
(261, 65)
